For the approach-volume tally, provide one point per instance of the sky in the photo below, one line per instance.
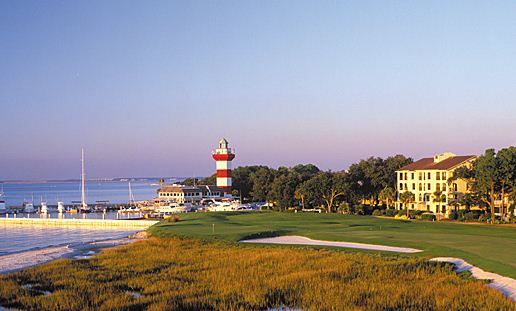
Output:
(148, 88)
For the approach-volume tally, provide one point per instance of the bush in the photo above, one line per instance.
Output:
(413, 214)
(390, 212)
(453, 215)
(363, 210)
(471, 215)
(427, 216)
(484, 218)
(378, 212)
(344, 208)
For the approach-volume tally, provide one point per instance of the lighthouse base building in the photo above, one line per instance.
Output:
(176, 193)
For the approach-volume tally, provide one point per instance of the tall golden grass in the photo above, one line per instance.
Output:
(176, 274)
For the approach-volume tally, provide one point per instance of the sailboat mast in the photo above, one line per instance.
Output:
(130, 194)
(83, 192)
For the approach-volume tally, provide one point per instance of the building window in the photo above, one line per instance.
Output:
(454, 187)
(438, 175)
(401, 176)
(406, 176)
(429, 175)
(438, 187)
(420, 175)
(420, 187)
(413, 186)
(401, 186)
(444, 175)
(444, 187)
(412, 175)
(406, 188)
(429, 186)
(420, 197)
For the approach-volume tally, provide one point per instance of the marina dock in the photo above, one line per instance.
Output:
(93, 223)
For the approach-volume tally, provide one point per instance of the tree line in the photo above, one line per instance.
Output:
(306, 186)
(492, 182)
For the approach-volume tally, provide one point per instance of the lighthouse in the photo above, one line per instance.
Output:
(223, 156)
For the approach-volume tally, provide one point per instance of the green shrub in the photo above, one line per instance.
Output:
(471, 215)
(378, 212)
(413, 214)
(345, 208)
(453, 215)
(363, 210)
(390, 212)
(427, 216)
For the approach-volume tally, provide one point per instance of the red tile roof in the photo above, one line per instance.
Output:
(429, 164)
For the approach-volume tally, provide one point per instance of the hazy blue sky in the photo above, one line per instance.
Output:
(149, 87)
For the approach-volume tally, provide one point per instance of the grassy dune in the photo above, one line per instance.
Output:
(492, 248)
(171, 274)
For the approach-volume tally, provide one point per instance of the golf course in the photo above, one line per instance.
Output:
(491, 247)
(195, 261)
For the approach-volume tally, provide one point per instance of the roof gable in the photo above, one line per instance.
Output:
(429, 164)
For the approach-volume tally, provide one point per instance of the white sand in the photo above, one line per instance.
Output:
(14, 262)
(504, 284)
(31, 258)
(300, 240)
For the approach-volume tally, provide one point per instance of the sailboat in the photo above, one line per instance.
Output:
(84, 206)
(44, 207)
(60, 207)
(131, 206)
(3, 209)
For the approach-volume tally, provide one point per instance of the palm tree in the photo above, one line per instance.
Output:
(406, 198)
(300, 194)
(438, 198)
(387, 195)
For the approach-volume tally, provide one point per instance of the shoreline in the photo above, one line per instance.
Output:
(29, 258)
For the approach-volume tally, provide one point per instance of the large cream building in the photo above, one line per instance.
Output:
(427, 176)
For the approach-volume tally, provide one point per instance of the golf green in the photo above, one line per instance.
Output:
(490, 247)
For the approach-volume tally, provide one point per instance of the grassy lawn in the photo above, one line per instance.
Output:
(492, 248)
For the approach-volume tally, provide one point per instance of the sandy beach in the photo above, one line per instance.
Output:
(25, 259)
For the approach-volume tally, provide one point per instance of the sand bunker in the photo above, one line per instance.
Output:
(300, 240)
(504, 284)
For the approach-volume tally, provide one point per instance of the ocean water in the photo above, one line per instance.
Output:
(16, 240)
(19, 238)
(114, 192)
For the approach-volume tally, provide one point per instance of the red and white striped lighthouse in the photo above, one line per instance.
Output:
(223, 156)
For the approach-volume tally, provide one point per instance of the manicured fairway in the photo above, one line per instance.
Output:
(492, 248)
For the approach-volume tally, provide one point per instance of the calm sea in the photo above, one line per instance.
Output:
(114, 192)
(14, 239)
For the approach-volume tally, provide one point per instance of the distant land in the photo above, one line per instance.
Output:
(117, 179)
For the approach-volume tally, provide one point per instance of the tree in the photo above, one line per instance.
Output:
(328, 186)
(283, 188)
(486, 179)
(438, 198)
(506, 165)
(406, 198)
(387, 195)
(190, 181)
(211, 180)
(300, 194)
(261, 183)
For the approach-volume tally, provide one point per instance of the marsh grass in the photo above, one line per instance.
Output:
(180, 274)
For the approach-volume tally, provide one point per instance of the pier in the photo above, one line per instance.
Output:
(92, 223)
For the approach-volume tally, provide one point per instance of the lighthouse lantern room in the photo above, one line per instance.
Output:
(223, 156)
